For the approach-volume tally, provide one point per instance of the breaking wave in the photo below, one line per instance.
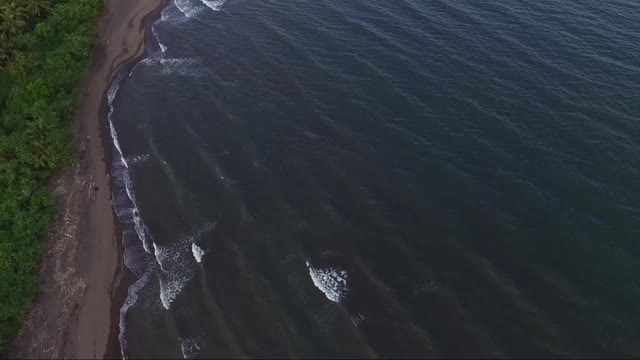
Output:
(214, 5)
(163, 47)
(132, 299)
(135, 235)
(331, 281)
(191, 8)
(198, 252)
(177, 264)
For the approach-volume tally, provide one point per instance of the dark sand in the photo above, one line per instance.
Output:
(83, 280)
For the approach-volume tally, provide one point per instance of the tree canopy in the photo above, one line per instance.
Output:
(45, 47)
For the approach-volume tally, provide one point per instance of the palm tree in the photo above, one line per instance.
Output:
(37, 131)
(4, 58)
(5, 54)
(36, 8)
(12, 20)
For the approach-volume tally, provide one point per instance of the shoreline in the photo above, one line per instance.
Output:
(82, 277)
(126, 276)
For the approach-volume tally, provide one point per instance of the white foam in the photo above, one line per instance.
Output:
(201, 230)
(178, 265)
(189, 8)
(151, 60)
(114, 136)
(214, 5)
(182, 66)
(176, 66)
(332, 282)
(198, 252)
(132, 298)
(190, 347)
(170, 287)
(141, 230)
(175, 272)
(146, 61)
(173, 15)
(140, 227)
(137, 159)
(163, 47)
(156, 253)
(127, 212)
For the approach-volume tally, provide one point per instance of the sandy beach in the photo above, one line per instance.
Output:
(82, 276)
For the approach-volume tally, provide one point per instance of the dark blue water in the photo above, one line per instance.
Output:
(411, 178)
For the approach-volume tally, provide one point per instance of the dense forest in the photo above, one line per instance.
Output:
(45, 46)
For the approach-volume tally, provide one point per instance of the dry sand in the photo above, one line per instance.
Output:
(83, 280)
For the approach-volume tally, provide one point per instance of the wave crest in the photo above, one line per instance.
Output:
(177, 263)
(331, 281)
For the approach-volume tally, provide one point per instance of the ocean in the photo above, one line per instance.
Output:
(406, 178)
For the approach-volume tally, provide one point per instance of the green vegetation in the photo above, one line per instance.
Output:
(45, 46)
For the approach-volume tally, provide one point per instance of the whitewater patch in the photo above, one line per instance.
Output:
(132, 299)
(120, 172)
(141, 230)
(179, 66)
(189, 8)
(183, 66)
(331, 281)
(177, 264)
(176, 271)
(189, 347)
(135, 236)
(175, 66)
(137, 159)
(125, 206)
(163, 48)
(198, 252)
(172, 15)
(111, 95)
(214, 5)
